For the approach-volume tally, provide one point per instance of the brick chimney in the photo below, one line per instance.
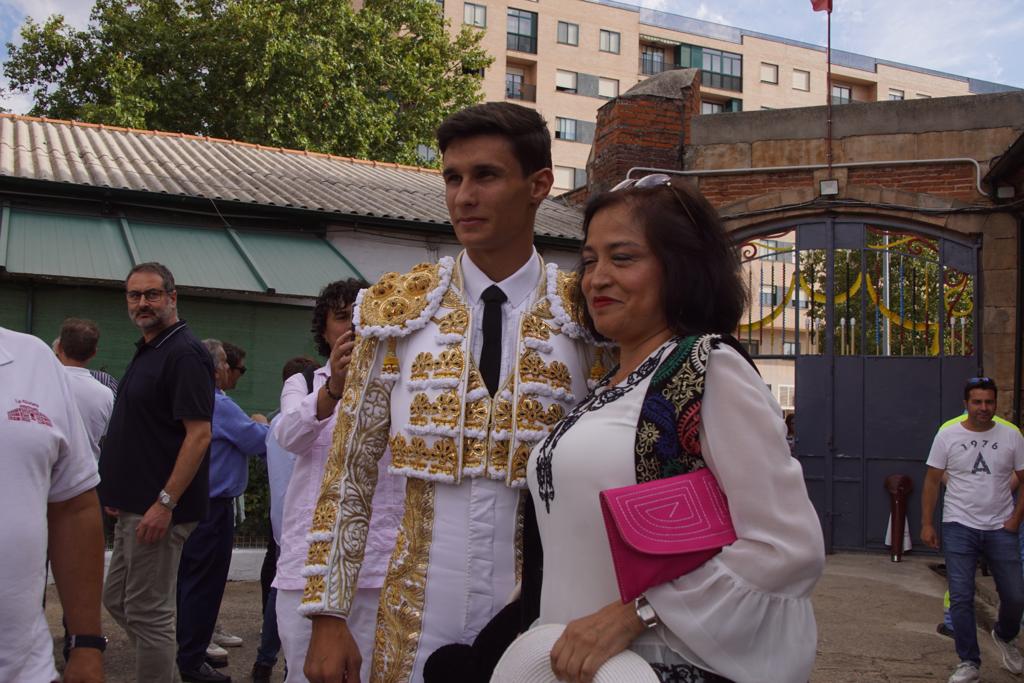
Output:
(648, 125)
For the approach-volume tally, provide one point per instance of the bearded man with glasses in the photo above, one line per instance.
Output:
(154, 468)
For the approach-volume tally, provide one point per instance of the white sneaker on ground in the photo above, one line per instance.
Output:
(225, 639)
(216, 652)
(1012, 659)
(965, 672)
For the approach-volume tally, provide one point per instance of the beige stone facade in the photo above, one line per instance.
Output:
(567, 66)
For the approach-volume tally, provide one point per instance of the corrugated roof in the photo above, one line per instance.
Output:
(186, 165)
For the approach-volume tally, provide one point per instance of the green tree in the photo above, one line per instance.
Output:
(306, 74)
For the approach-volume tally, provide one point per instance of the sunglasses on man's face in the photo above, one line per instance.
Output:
(654, 180)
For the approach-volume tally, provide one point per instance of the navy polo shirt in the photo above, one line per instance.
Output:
(169, 379)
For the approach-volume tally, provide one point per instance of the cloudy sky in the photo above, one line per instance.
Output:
(980, 40)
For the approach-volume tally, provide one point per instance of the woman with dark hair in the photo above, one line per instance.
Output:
(660, 279)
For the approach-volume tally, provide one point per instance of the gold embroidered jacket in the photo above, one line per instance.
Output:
(412, 385)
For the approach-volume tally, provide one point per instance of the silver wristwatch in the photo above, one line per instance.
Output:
(645, 612)
(165, 499)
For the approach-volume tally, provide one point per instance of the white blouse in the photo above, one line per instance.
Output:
(746, 614)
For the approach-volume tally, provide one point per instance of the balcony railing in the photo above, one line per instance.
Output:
(526, 92)
(650, 65)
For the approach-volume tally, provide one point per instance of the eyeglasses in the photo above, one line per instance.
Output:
(655, 180)
(241, 369)
(151, 295)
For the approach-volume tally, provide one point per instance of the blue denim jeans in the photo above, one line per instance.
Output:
(962, 547)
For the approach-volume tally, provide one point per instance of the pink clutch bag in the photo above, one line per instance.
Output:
(662, 529)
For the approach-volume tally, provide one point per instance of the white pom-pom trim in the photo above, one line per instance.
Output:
(477, 394)
(314, 570)
(450, 338)
(537, 344)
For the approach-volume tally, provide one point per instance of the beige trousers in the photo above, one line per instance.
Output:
(140, 593)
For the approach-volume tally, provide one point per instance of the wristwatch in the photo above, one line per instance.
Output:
(165, 499)
(645, 612)
(95, 642)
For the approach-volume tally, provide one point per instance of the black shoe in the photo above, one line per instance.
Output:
(261, 672)
(944, 630)
(217, 663)
(205, 674)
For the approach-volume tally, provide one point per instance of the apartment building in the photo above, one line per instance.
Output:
(567, 57)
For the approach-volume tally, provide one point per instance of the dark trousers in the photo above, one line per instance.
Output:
(270, 642)
(202, 575)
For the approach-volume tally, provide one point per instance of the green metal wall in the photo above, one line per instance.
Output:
(270, 333)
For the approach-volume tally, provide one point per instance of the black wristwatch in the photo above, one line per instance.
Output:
(95, 642)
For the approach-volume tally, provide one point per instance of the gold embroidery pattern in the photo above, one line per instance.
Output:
(532, 367)
(350, 476)
(566, 286)
(476, 414)
(400, 614)
(450, 364)
(455, 322)
(422, 366)
(535, 328)
(421, 410)
(520, 522)
(415, 455)
(502, 415)
(396, 299)
(558, 373)
(519, 461)
(543, 310)
(474, 452)
(529, 414)
(447, 409)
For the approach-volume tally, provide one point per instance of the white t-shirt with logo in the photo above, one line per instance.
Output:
(978, 465)
(45, 457)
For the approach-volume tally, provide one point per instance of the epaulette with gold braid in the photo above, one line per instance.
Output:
(399, 304)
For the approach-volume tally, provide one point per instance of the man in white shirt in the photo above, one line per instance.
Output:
(459, 368)
(979, 519)
(75, 347)
(47, 465)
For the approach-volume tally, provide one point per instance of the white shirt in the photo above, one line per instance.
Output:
(978, 465)
(46, 458)
(95, 402)
(518, 287)
(745, 614)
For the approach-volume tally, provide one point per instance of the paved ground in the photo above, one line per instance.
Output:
(876, 622)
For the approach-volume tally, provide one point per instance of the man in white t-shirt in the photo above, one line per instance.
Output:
(75, 347)
(979, 519)
(47, 465)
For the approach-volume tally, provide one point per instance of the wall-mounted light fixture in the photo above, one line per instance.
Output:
(828, 187)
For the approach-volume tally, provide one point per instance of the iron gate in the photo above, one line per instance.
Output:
(866, 330)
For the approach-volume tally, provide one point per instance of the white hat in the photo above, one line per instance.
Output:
(528, 660)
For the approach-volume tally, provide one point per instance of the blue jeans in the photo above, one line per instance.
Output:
(962, 547)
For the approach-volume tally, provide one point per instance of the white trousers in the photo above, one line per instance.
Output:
(295, 630)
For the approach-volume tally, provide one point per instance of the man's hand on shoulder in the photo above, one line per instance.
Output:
(333, 656)
(85, 665)
(154, 524)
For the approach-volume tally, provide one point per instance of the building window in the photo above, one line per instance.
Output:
(652, 60)
(568, 34)
(474, 15)
(788, 348)
(842, 94)
(565, 129)
(895, 94)
(769, 73)
(786, 396)
(565, 177)
(565, 81)
(752, 346)
(522, 30)
(774, 250)
(801, 80)
(516, 87)
(610, 41)
(770, 296)
(723, 70)
(607, 87)
(711, 107)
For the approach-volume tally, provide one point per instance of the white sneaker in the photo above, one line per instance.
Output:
(1012, 659)
(965, 672)
(216, 652)
(225, 639)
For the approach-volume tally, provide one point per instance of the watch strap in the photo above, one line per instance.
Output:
(94, 642)
(645, 612)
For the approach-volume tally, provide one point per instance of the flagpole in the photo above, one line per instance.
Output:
(828, 90)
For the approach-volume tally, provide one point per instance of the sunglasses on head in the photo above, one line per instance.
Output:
(655, 180)
(975, 381)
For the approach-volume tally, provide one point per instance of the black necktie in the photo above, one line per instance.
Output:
(490, 355)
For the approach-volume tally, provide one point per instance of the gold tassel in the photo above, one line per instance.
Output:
(391, 358)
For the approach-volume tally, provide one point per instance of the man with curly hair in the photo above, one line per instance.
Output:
(304, 427)
(459, 368)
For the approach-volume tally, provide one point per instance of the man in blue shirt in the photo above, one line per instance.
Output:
(206, 557)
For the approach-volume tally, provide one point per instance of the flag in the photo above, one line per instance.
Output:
(821, 5)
